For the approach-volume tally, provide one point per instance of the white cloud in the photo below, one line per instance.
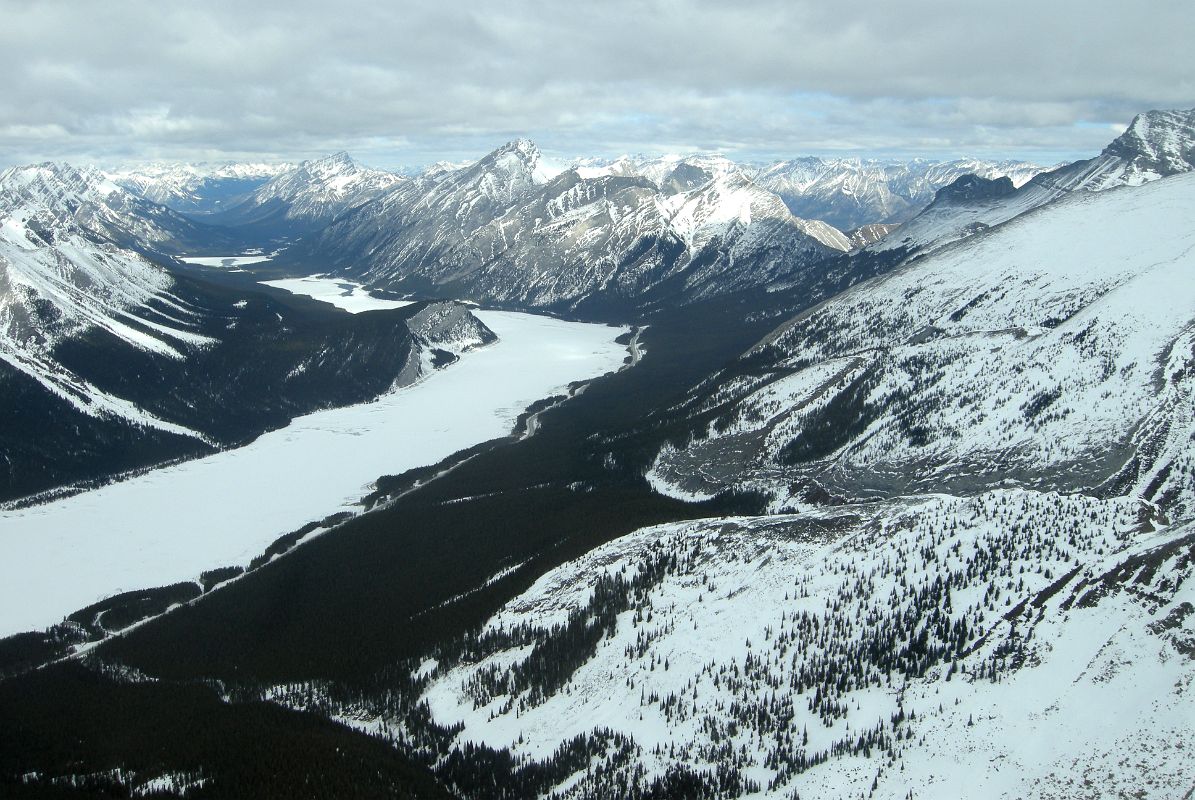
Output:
(423, 79)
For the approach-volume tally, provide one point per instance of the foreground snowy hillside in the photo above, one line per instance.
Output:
(934, 648)
(1054, 352)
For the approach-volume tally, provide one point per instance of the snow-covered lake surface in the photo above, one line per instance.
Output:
(228, 262)
(171, 524)
(339, 292)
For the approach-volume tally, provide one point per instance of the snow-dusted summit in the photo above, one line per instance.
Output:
(195, 188)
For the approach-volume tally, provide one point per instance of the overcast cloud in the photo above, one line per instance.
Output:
(413, 82)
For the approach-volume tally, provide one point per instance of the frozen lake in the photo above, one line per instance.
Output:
(337, 291)
(171, 524)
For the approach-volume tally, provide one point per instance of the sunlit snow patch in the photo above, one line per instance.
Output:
(350, 296)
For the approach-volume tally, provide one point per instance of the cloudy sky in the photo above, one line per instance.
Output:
(415, 81)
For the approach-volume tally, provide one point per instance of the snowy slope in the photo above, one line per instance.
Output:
(508, 230)
(935, 648)
(1053, 351)
(1156, 144)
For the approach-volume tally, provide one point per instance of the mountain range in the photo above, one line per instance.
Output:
(871, 511)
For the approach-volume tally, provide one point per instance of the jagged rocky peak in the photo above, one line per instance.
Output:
(515, 165)
(336, 164)
(52, 181)
(1162, 142)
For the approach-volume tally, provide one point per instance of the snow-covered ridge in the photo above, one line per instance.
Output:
(318, 190)
(1157, 144)
(60, 275)
(199, 187)
(850, 193)
(1053, 351)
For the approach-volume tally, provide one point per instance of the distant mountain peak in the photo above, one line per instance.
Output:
(514, 165)
(1164, 139)
(340, 163)
(51, 183)
(340, 157)
(524, 151)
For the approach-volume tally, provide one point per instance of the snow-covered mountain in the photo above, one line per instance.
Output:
(846, 193)
(851, 193)
(97, 339)
(1052, 351)
(507, 230)
(44, 197)
(1155, 145)
(195, 188)
(310, 194)
(62, 273)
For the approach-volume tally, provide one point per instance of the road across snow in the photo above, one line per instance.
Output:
(171, 524)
